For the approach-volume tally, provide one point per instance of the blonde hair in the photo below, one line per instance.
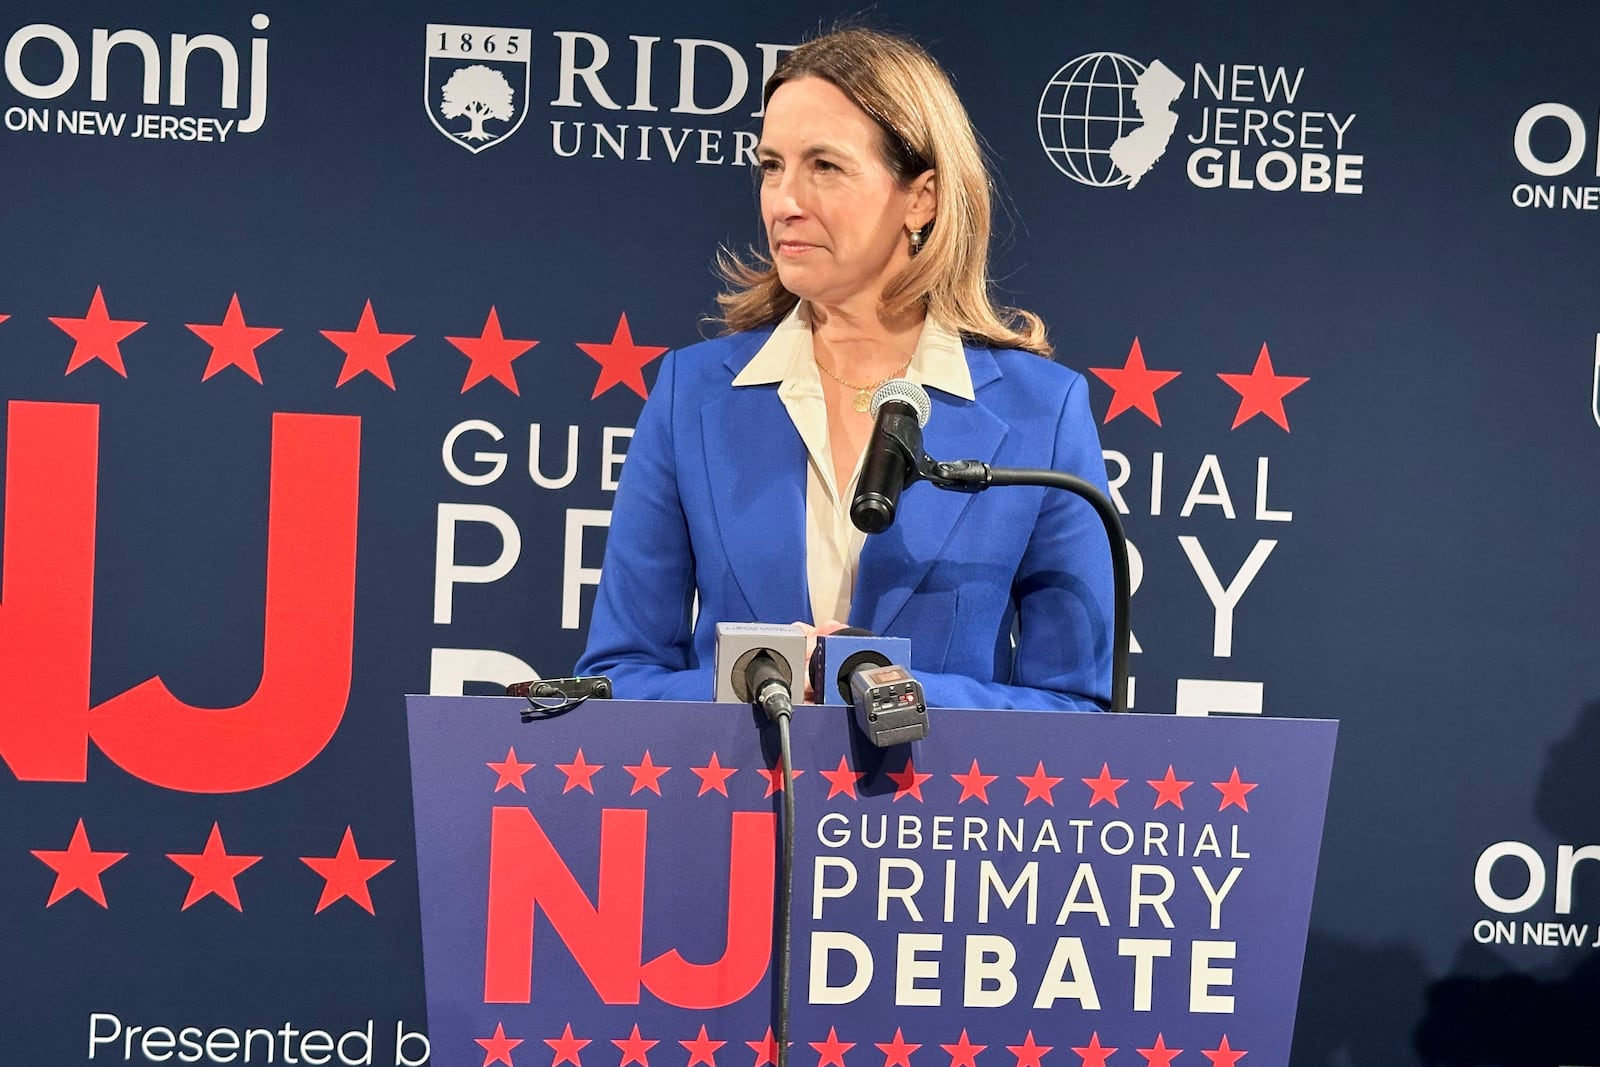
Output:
(924, 126)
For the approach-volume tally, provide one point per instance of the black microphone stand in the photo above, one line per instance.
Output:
(974, 476)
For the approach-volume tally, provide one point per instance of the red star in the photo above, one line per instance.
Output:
(4, 317)
(346, 874)
(1261, 392)
(634, 1048)
(1105, 787)
(1039, 786)
(701, 1050)
(492, 354)
(842, 780)
(511, 771)
(766, 1049)
(1094, 1053)
(908, 783)
(78, 868)
(621, 361)
(896, 1053)
(98, 335)
(497, 1049)
(1169, 790)
(1160, 1055)
(1222, 1055)
(579, 773)
(233, 344)
(1028, 1054)
(213, 871)
(365, 349)
(1233, 791)
(974, 784)
(1135, 385)
(832, 1050)
(774, 777)
(963, 1052)
(646, 775)
(566, 1047)
(714, 776)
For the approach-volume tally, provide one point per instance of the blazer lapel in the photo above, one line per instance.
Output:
(894, 563)
(756, 463)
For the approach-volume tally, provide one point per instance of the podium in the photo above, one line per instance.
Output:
(1018, 889)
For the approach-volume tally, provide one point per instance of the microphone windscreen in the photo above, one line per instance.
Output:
(907, 392)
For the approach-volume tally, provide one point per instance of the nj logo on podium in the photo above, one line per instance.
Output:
(475, 82)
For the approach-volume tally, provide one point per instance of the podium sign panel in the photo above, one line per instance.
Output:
(1016, 890)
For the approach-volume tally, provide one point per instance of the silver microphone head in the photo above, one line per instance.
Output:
(907, 392)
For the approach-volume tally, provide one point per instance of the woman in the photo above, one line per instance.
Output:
(738, 483)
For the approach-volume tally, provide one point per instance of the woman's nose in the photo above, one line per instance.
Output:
(785, 197)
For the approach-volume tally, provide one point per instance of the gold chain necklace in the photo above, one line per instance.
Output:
(862, 401)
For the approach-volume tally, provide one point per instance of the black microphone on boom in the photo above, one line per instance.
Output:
(901, 409)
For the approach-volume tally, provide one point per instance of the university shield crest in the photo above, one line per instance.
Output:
(475, 82)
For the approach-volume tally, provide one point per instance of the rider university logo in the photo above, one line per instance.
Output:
(1105, 119)
(475, 84)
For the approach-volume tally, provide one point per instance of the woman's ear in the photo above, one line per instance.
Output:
(924, 205)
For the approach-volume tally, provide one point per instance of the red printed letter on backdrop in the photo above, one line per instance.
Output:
(306, 652)
(47, 589)
(46, 616)
(526, 871)
(730, 979)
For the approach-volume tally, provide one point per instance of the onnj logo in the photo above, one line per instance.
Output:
(1105, 119)
(475, 82)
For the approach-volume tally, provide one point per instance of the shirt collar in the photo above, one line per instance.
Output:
(938, 362)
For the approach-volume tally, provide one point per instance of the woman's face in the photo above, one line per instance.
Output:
(836, 219)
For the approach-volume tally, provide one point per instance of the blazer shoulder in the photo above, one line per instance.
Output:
(719, 357)
(1027, 374)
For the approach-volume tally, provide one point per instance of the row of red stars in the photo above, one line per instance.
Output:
(635, 1048)
(98, 336)
(212, 871)
(367, 349)
(842, 781)
(1261, 392)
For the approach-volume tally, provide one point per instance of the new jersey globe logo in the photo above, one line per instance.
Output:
(1105, 119)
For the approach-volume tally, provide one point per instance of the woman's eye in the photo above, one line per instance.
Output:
(823, 164)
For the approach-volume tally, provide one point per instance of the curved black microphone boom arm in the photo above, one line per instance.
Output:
(973, 476)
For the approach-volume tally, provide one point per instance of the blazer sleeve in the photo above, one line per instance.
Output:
(641, 634)
(1063, 592)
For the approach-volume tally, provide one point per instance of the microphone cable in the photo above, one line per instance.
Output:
(785, 894)
(769, 692)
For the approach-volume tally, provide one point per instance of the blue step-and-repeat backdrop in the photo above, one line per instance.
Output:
(323, 329)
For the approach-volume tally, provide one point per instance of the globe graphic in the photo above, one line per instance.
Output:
(1084, 109)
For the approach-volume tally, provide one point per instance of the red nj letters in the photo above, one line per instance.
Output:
(605, 937)
(47, 610)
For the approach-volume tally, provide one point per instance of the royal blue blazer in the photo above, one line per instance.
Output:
(711, 502)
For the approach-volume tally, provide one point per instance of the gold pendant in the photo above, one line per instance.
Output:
(863, 400)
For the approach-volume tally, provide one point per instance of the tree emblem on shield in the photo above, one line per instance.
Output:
(475, 83)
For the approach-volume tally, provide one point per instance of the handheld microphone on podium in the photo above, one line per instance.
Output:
(767, 679)
(862, 670)
(840, 654)
(889, 706)
(901, 409)
(751, 655)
